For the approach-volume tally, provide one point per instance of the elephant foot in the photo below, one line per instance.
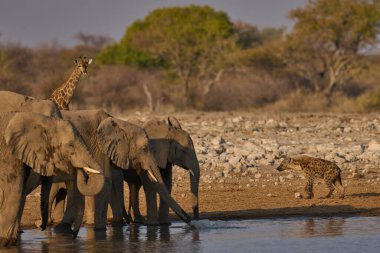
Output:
(63, 228)
(138, 220)
(152, 223)
(6, 242)
(75, 233)
(165, 223)
(38, 223)
(100, 228)
(117, 224)
(164, 220)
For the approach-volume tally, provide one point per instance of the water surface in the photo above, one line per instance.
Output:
(338, 234)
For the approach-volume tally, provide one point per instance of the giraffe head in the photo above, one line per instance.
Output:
(82, 64)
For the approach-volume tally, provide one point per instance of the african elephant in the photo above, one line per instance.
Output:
(34, 142)
(171, 145)
(10, 101)
(123, 144)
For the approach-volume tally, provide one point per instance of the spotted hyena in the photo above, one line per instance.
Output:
(315, 168)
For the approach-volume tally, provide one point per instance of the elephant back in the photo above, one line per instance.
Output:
(11, 101)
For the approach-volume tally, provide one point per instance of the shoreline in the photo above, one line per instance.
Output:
(238, 151)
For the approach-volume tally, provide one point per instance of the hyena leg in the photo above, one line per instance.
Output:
(309, 187)
(330, 185)
(338, 184)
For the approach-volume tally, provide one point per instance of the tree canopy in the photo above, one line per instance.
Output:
(328, 38)
(192, 43)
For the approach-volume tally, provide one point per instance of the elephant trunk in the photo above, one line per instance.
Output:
(46, 183)
(194, 188)
(165, 195)
(89, 184)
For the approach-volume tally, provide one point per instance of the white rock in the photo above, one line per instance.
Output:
(219, 123)
(233, 160)
(373, 146)
(237, 119)
(217, 141)
(271, 123)
(283, 124)
(252, 170)
(290, 176)
(257, 175)
(298, 195)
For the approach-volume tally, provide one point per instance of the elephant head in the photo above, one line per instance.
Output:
(172, 145)
(127, 143)
(51, 146)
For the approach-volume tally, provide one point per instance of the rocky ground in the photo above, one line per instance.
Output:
(238, 153)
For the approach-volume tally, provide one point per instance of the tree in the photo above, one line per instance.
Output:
(192, 43)
(328, 39)
(93, 40)
(249, 36)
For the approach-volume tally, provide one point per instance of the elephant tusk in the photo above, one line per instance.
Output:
(89, 170)
(191, 172)
(152, 176)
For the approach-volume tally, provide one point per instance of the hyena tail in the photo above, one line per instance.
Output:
(339, 185)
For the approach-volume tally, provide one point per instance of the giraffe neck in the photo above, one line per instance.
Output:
(70, 85)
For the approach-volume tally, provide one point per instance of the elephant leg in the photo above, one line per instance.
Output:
(89, 210)
(163, 211)
(59, 206)
(101, 206)
(11, 207)
(53, 191)
(151, 201)
(69, 216)
(117, 197)
(133, 206)
(79, 211)
(46, 183)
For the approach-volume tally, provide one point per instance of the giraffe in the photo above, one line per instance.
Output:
(63, 94)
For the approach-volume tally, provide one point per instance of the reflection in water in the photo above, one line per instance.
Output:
(262, 235)
(324, 227)
(132, 238)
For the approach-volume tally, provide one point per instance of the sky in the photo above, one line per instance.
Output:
(36, 22)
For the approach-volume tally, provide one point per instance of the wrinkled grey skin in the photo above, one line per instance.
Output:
(33, 142)
(86, 122)
(171, 145)
(10, 101)
(123, 144)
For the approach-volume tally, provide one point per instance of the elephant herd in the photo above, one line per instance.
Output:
(91, 154)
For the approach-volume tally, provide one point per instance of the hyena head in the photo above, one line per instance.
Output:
(284, 165)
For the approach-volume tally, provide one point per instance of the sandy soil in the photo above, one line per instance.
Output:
(243, 194)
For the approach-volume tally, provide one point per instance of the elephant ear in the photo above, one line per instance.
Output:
(30, 138)
(160, 149)
(159, 140)
(174, 122)
(114, 142)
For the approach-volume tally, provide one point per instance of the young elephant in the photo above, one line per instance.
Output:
(171, 145)
(44, 145)
(315, 168)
